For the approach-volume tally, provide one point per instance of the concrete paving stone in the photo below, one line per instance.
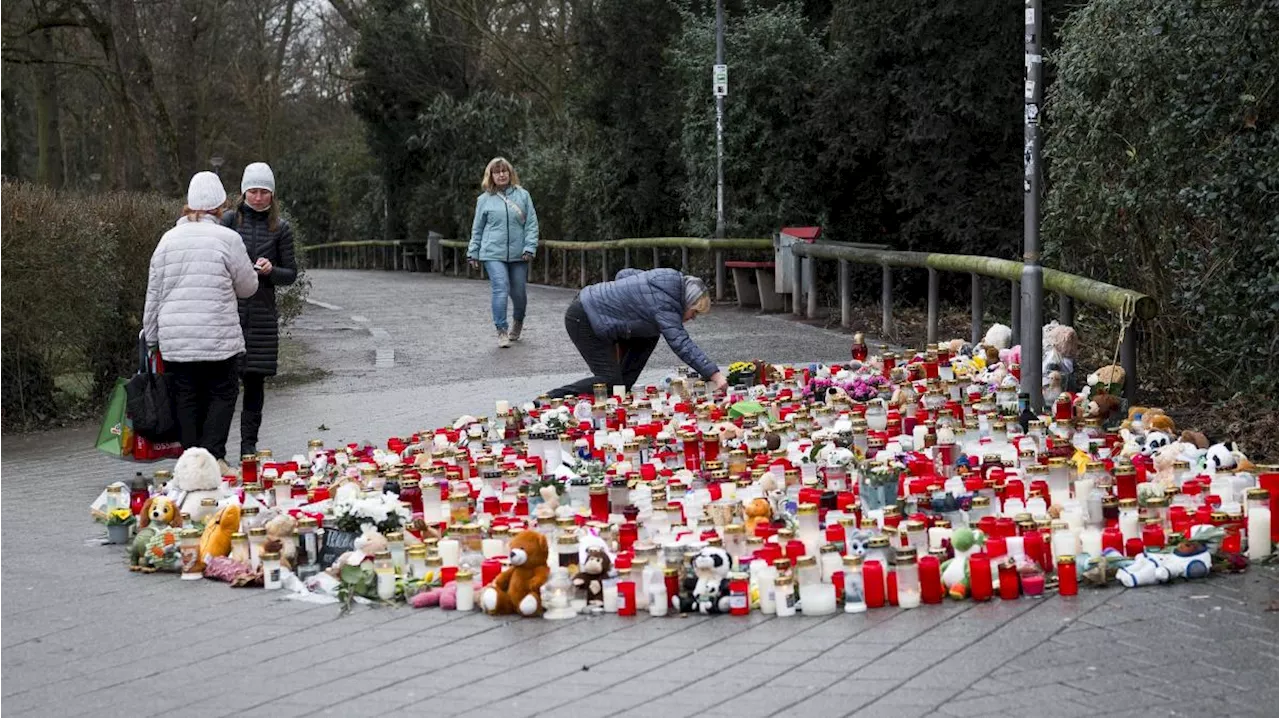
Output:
(900, 664)
(855, 686)
(917, 696)
(873, 710)
(301, 656)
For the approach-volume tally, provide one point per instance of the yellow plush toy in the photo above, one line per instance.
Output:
(216, 540)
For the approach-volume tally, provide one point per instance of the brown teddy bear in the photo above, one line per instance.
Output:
(758, 511)
(590, 579)
(519, 588)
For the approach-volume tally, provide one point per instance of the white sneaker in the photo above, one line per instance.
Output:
(515, 331)
(504, 340)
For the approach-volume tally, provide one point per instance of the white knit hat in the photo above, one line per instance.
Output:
(206, 193)
(258, 176)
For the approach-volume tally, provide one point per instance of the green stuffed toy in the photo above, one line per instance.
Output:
(955, 571)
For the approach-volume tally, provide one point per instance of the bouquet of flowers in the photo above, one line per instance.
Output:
(742, 372)
(121, 517)
(385, 511)
(862, 387)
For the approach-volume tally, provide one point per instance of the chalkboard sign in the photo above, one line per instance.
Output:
(336, 543)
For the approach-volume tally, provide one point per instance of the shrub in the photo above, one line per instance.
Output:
(1163, 170)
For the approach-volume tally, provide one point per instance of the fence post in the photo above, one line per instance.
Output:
(931, 331)
(626, 258)
(720, 279)
(1015, 311)
(797, 287)
(811, 285)
(657, 262)
(453, 254)
(564, 267)
(684, 260)
(1129, 362)
(604, 265)
(886, 302)
(546, 267)
(582, 269)
(975, 308)
(1066, 310)
(845, 298)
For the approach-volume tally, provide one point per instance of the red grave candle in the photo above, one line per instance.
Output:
(1068, 583)
(980, 576)
(930, 579)
(873, 583)
(1009, 584)
(627, 598)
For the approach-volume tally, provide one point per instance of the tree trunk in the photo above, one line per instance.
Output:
(49, 169)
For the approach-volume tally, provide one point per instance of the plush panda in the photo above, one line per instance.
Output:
(1154, 441)
(1220, 457)
(707, 591)
(858, 541)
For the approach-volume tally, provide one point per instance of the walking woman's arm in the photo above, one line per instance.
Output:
(530, 227)
(477, 230)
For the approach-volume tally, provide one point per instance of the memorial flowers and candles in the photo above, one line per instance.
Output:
(821, 489)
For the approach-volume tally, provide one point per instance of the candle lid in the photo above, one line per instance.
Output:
(1066, 560)
(392, 536)
(236, 536)
(195, 533)
(271, 556)
(417, 551)
(463, 575)
(257, 531)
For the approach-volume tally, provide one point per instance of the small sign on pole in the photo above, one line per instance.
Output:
(720, 80)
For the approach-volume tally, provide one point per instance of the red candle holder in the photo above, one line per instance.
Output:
(1068, 582)
(1009, 583)
(930, 579)
(873, 584)
(980, 576)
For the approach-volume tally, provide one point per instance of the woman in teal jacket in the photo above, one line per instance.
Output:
(504, 236)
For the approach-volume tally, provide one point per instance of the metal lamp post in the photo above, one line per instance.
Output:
(216, 162)
(720, 86)
(1032, 288)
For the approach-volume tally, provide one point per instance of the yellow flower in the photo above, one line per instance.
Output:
(121, 514)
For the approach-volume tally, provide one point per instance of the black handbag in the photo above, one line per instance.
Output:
(148, 402)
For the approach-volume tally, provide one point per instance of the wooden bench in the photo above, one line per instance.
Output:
(754, 284)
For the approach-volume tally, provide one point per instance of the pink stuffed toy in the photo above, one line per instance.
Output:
(446, 597)
(1011, 356)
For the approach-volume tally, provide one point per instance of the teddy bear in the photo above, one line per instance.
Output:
(1102, 407)
(707, 590)
(592, 573)
(216, 539)
(758, 511)
(196, 476)
(518, 589)
(281, 528)
(998, 336)
(159, 516)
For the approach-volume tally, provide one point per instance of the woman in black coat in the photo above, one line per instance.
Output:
(269, 242)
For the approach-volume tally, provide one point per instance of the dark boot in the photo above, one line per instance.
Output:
(250, 422)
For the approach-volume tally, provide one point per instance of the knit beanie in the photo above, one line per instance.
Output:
(205, 193)
(694, 289)
(258, 176)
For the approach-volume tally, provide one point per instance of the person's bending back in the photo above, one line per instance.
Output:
(615, 326)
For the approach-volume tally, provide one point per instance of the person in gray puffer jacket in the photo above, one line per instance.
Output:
(615, 326)
(198, 270)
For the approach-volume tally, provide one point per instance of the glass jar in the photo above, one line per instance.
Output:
(598, 497)
(917, 536)
(619, 495)
(784, 597)
(735, 542)
(395, 546)
(1158, 509)
(416, 556)
(257, 537)
(459, 507)
(829, 560)
(466, 589)
(385, 573)
(854, 597)
(240, 547)
(567, 551)
(810, 533)
(189, 549)
(271, 571)
(907, 573)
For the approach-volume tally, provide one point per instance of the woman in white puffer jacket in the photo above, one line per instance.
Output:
(198, 270)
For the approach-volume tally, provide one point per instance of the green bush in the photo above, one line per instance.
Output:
(1162, 160)
(72, 292)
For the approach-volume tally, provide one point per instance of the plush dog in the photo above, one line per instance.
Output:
(707, 590)
(159, 514)
(519, 588)
(216, 539)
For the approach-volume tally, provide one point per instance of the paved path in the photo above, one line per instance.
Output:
(83, 636)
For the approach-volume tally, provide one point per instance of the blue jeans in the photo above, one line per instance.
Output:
(507, 279)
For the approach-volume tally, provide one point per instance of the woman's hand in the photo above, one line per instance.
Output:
(719, 381)
(475, 263)
(526, 257)
(263, 266)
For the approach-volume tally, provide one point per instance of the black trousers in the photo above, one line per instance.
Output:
(204, 396)
(611, 362)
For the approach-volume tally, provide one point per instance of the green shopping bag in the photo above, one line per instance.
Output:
(115, 436)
